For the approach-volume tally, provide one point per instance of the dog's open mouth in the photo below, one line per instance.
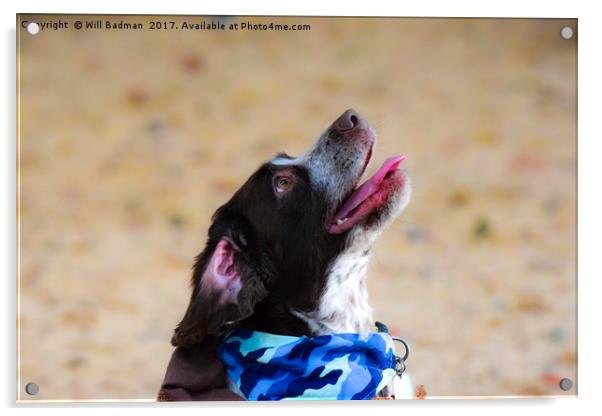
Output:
(368, 197)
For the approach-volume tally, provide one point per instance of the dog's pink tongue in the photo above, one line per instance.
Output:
(369, 187)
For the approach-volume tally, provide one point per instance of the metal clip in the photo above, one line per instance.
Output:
(400, 366)
(400, 361)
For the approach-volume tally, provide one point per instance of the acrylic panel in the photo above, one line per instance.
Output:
(133, 130)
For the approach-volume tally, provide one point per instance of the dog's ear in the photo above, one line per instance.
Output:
(227, 283)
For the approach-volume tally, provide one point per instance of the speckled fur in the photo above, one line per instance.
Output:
(334, 163)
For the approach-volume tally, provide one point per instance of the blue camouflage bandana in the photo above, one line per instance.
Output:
(263, 366)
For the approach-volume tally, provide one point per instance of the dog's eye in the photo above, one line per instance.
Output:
(283, 183)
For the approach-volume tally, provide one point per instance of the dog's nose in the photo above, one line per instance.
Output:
(347, 121)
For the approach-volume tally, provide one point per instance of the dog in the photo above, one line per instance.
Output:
(289, 252)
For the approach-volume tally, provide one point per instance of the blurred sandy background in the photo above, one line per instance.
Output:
(129, 140)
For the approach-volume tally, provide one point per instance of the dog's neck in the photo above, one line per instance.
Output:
(343, 306)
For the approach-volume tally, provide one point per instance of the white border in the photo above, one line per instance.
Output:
(590, 202)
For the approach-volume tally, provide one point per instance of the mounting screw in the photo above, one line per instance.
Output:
(566, 32)
(566, 384)
(32, 389)
(33, 28)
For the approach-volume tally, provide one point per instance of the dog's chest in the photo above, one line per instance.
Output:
(343, 306)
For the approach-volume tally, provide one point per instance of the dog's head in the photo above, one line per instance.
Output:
(271, 244)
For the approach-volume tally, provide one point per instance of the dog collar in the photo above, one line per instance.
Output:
(264, 366)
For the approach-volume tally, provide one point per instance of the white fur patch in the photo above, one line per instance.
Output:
(283, 161)
(343, 306)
